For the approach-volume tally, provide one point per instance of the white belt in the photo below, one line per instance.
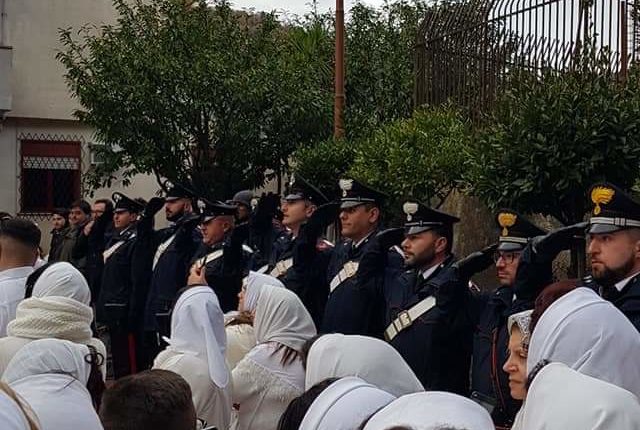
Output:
(210, 257)
(348, 270)
(263, 269)
(281, 267)
(113, 248)
(406, 318)
(161, 249)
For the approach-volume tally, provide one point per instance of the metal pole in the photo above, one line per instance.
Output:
(338, 110)
(624, 46)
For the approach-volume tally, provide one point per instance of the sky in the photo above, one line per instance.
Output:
(298, 7)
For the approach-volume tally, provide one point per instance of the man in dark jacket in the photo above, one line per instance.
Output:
(223, 253)
(306, 275)
(490, 311)
(60, 223)
(353, 307)
(614, 248)
(430, 333)
(114, 304)
(162, 260)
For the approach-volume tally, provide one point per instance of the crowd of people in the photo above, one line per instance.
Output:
(242, 315)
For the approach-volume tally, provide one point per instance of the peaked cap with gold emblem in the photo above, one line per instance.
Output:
(421, 218)
(515, 230)
(613, 209)
(355, 193)
(299, 188)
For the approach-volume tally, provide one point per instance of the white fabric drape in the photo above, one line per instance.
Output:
(373, 360)
(344, 405)
(197, 327)
(62, 279)
(51, 375)
(588, 334)
(432, 411)
(563, 399)
(254, 282)
(282, 317)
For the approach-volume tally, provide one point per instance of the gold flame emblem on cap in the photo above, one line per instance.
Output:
(506, 220)
(601, 196)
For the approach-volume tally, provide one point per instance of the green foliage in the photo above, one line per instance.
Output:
(552, 135)
(324, 163)
(421, 157)
(379, 64)
(195, 92)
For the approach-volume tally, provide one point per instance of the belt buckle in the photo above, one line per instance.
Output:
(405, 319)
(350, 269)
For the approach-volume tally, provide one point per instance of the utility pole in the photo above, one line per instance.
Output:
(338, 109)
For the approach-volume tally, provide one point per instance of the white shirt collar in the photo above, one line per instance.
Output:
(363, 240)
(620, 285)
(16, 272)
(429, 271)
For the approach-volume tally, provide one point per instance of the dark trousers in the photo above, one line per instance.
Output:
(121, 352)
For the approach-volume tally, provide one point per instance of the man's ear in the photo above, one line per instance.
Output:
(374, 215)
(310, 209)
(441, 244)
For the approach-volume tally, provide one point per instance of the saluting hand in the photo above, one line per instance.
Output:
(476, 262)
(197, 275)
(558, 240)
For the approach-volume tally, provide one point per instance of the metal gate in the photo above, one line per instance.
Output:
(466, 48)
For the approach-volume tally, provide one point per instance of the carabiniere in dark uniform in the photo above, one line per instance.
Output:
(490, 384)
(227, 258)
(614, 211)
(303, 271)
(429, 337)
(352, 309)
(115, 304)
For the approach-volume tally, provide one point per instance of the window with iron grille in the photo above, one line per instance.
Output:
(49, 176)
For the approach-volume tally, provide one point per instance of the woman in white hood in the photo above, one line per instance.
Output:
(271, 374)
(561, 398)
(61, 382)
(433, 410)
(196, 352)
(241, 337)
(58, 306)
(371, 359)
(591, 336)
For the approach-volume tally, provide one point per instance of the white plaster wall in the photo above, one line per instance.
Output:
(37, 82)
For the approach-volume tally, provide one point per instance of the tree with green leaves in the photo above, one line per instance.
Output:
(421, 157)
(552, 135)
(192, 90)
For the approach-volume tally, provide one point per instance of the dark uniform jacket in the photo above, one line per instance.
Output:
(58, 240)
(488, 313)
(224, 269)
(627, 300)
(436, 345)
(303, 271)
(114, 304)
(174, 248)
(354, 305)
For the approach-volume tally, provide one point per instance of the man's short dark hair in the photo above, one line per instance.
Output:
(83, 205)
(63, 212)
(22, 230)
(150, 400)
(108, 204)
(445, 231)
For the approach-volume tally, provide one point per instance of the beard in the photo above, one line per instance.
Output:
(423, 260)
(608, 277)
